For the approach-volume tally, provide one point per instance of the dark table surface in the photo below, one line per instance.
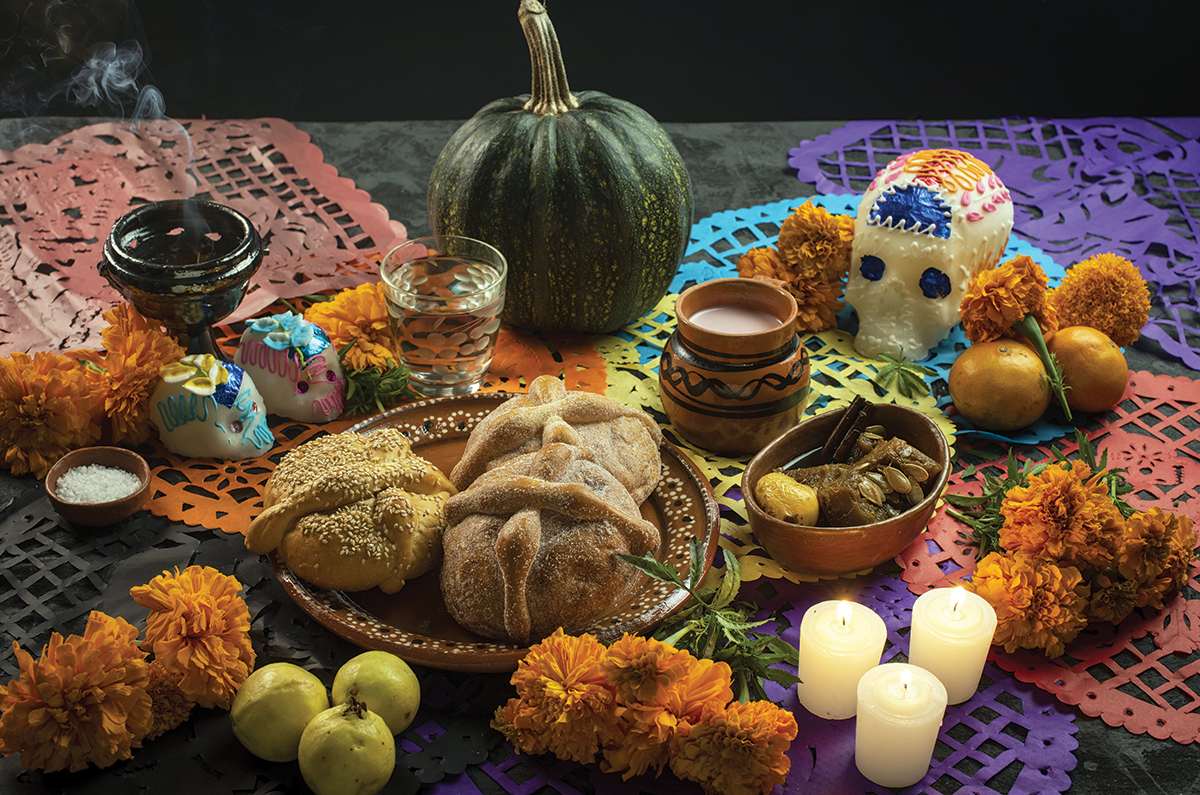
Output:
(732, 165)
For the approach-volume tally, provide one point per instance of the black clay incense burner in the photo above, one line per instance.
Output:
(185, 262)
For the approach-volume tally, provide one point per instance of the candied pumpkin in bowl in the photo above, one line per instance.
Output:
(875, 488)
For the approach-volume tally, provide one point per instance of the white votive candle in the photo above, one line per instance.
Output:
(839, 642)
(900, 709)
(952, 631)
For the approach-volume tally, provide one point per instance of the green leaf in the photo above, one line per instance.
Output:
(782, 676)
(965, 500)
(695, 561)
(903, 376)
(716, 627)
(743, 688)
(648, 565)
(731, 583)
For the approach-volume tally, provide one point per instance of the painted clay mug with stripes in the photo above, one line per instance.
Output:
(735, 373)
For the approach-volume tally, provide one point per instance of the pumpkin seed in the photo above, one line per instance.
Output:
(915, 472)
(915, 495)
(897, 480)
(879, 479)
(870, 491)
(875, 430)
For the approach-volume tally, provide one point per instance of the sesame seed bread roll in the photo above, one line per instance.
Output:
(354, 511)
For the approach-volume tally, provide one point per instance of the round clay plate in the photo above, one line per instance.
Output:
(414, 623)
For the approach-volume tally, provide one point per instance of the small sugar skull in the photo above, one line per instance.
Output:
(926, 224)
(206, 408)
(294, 366)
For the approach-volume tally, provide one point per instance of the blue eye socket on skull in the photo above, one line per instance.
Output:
(934, 283)
(871, 267)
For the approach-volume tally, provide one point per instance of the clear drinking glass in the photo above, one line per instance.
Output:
(444, 296)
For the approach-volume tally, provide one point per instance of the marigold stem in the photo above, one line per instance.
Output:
(1030, 329)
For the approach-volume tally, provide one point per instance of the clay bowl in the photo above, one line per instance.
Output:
(99, 514)
(842, 550)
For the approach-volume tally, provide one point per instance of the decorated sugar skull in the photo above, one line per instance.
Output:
(926, 224)
(206, 408)
(294, 367)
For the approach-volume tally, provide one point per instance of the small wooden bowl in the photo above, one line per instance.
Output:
(842, 550)
(99, 514)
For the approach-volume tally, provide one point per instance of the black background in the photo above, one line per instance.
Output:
(704, 60)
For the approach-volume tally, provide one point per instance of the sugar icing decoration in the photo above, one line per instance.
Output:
(206, 407)
(912, 208)
(294, 367)
(289, 331)
(200, 374)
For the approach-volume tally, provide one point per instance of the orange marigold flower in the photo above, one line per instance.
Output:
(741, 750)
(697, 689)
(199, 631)
(1105, 292)
(358, 315)
(135, 352)
(705, 689)
(564, 703)
(1158, 549)
(1113, 598)
(1063, 513)
(49, 405)
(816, 240)
(169, 707)
(817, 290)
(84, 701)
(817, 303)
(643, 740)
(998, 298)
(643, 668)
(762, 263)
(1039, 605)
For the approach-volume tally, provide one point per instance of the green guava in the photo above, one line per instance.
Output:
(272, 708)
(347, 750)
(384, 683)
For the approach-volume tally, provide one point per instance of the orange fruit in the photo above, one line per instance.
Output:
(1000, 386)
(1093, 368)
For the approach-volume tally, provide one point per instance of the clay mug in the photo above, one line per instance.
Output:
(732, 391)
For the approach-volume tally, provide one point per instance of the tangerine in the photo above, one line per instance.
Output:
(1000, 385)
(1093, 368)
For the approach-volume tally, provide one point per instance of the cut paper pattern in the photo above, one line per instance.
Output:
(225, 495)
(1079, 187)
(59, 200)
(1008, 738)
(1141, 675)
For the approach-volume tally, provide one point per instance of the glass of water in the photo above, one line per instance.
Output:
(444, 296)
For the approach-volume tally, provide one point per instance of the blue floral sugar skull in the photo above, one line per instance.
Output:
(927, 223)
(295, 367)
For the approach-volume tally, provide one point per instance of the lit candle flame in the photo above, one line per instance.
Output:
(960, 596)
(843, 612)
(905, 681)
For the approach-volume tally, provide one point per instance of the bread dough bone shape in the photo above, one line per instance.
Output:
(532, 545)
(621, 439)
(318, 483)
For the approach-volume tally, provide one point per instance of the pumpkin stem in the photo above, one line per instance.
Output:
(550, 94)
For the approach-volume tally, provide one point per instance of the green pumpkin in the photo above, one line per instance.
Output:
(584, 194)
